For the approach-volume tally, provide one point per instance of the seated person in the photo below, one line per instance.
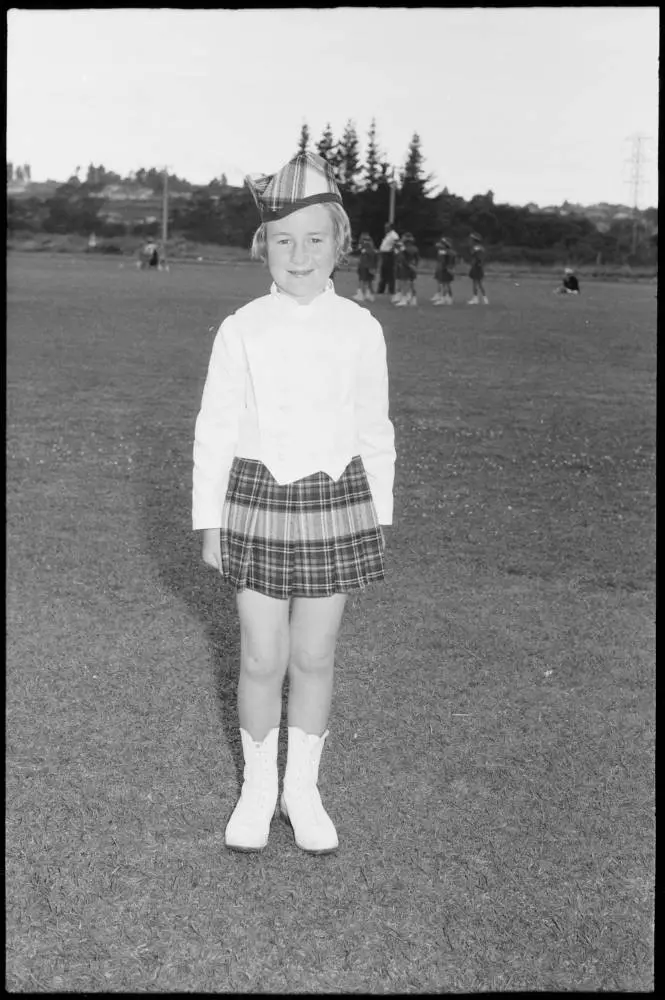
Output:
(570, 285)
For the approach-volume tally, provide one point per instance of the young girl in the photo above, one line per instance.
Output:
(406, 258)
(444, 274)
(399, 270)
(477, 270)
(366, 268)
(293, 477)
(410, 259)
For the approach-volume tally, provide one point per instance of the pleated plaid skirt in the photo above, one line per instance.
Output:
(311, 538)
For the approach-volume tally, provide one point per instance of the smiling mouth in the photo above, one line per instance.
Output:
(300, 274)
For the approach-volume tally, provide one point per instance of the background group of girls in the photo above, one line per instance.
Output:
(406, 259)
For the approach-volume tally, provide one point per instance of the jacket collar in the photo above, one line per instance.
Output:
(288, 302)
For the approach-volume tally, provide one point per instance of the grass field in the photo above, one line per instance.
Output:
(490, 765)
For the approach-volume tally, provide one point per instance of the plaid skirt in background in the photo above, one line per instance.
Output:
(311, 538)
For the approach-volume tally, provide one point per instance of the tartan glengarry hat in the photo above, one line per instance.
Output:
(307, 179)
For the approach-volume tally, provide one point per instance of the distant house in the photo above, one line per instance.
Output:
(114, 217)
(126, 192)
(32, 189)
(129, 204)
(131, 213)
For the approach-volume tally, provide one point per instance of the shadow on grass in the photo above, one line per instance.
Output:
(164, 498)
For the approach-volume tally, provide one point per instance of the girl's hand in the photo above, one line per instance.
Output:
(211, 551)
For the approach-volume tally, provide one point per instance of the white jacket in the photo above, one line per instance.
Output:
(301, 388)
(388, 242)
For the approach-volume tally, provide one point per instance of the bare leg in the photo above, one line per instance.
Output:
(264, 655)
(315, 624)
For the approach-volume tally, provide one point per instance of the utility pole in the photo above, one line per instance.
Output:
(165, 216)
(391, 211)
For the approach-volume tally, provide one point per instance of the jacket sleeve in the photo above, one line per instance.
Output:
(376, 435)
(217, 424)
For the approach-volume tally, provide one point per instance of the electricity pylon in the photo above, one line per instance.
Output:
(637, 162)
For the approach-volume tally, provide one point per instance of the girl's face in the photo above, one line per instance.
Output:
(301, 252)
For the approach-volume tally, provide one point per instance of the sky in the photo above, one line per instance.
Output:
(538, 104)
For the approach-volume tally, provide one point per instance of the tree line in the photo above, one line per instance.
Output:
(222, 214)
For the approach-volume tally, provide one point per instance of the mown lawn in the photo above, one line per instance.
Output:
(490, 765)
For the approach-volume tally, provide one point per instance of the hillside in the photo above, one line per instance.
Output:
(133, 203)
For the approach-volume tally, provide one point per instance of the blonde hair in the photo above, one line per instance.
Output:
(341, 233)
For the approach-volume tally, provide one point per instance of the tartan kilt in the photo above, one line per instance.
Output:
(311, 538)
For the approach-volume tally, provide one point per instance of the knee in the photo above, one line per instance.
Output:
(262, 668)
(264, 663)
(311, 660)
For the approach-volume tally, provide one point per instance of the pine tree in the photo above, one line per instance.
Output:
(348, 158)
(326, 146)
(303, 142)
(372, 169)
(413, 172)
(330, 150)
(415, 207)
(385, 177)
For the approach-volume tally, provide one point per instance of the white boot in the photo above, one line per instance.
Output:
(359, 296)
(369, 296)
(473, 301)
(300, 802)
(486, 301)
(249, 826)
